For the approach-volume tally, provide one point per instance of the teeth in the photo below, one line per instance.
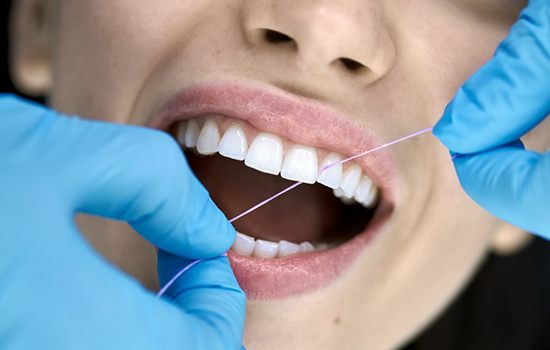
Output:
(300, 164)
(332, 176)
(350, 180)
(265, 249)
(265, 154)
(209, 138)
(180, 135)
(244, 245)
(233, 143)
(321, 246)
(370, 199)
(191, 134)
(339, 193)
(306, 247)
(363, 191)
(287, 248)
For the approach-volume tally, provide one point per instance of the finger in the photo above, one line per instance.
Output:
(511, 183)
(509, 95)
(211, 299)
(140, 176)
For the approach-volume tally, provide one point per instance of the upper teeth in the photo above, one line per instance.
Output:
(267, 154)
(233, 143)
(300, 164)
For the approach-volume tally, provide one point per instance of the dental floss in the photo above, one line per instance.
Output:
(181, 272)
(291, 187)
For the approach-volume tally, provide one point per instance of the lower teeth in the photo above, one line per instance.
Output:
(247, 246)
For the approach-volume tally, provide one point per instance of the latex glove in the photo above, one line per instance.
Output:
(56, 292)
(501, 102)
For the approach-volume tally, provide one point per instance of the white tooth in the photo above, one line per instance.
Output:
(363, 189)
(306, 247)
(371, 198)
(300, 164)
(233, 143)
(350, 180)
(265, 154)
(321, 246)
(180, 135)
(287, 248)
(191, 134)
(209, 138)
(348, 200)
(265, 249)
(333, 175)
(243, 245)
(339, 193)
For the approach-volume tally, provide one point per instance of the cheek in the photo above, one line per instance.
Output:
(106, 50)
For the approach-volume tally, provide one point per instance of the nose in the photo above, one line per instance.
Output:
(346, 37)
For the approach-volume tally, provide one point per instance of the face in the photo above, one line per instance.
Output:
(289, 86)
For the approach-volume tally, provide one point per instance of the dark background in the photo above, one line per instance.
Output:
(5, 82)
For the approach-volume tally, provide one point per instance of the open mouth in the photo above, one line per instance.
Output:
(337, 206)
(307, 237)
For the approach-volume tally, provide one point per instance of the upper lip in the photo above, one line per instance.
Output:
(299, 119)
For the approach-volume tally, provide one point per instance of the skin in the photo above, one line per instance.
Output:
(121, 60)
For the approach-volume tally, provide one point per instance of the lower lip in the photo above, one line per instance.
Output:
(263, 279)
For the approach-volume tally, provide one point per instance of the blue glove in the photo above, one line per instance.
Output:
(56, 292)
(482, 125)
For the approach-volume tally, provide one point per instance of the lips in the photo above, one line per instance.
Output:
(300, 121)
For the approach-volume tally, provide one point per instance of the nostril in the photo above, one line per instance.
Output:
(352, 65)
(275, 37)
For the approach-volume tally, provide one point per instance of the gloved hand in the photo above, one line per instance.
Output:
(501, 102)
(55, 291)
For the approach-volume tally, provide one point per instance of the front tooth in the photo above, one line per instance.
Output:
(332, 176)
(243, 245)
(233, 143)
(363, 189)
(209, 138)
(300, 164)
(338, 193)
(350, 180)
(180, 135)
(287, 248)
(191, 134)
(306, 247)
(265, 249)
(265, 154)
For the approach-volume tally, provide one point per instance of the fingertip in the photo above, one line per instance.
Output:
(212, 303)
(213, 236)
(447, 132)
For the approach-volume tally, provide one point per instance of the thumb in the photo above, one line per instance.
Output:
(213, 304)
(509, 95)
(510, 182)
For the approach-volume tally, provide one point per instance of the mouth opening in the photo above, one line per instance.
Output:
(319, 215)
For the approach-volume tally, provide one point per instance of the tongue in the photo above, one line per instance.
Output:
(307, 213)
